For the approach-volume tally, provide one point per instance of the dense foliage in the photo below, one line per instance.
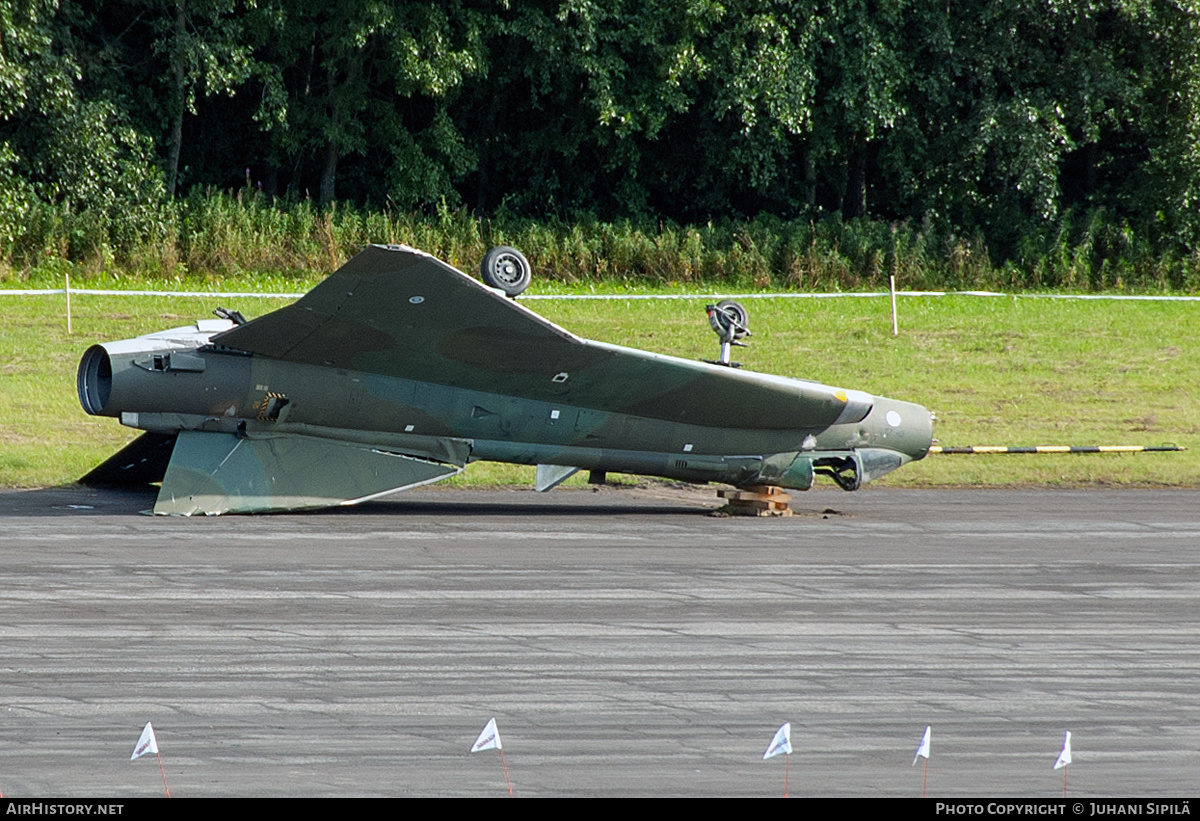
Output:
(1045, 132)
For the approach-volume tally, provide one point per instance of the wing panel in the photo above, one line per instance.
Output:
(399, 312)
(382, 299)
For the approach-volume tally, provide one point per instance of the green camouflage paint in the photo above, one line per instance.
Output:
(398, 370)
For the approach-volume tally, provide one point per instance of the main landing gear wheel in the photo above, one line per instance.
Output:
(507, 269)
(729, 320)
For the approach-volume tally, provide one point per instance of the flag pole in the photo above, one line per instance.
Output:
(164, 774)
(782, 744)
(489, 739)
(504, 764)
(923, 752)
(1064, 760)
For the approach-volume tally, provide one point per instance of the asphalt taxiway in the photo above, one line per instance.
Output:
(626, 643)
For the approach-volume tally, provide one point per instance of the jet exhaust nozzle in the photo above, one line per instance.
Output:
(94, 380)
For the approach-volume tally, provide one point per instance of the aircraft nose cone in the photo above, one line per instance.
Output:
(901, 426)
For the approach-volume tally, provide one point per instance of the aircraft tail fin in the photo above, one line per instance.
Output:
(213, 473)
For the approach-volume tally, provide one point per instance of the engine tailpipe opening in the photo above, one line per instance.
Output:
(94, 380)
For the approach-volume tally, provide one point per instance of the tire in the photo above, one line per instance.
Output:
(731, 319)
(506, 269)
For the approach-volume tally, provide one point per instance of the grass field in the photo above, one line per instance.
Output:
(995, 370)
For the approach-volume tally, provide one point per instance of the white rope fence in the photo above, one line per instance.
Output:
(712, 296)
(68, 291)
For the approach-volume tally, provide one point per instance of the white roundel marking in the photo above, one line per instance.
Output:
(416, 300)
(893, 419)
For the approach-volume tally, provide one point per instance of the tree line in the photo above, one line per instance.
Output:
(989, 118)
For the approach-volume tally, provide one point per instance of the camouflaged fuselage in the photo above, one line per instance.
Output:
(398, 370)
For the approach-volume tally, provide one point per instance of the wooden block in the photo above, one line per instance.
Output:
(760, 504)
(764, 489)
(757, 500)
(750, 511)
(749, 495)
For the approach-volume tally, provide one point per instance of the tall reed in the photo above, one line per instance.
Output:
(210, 234)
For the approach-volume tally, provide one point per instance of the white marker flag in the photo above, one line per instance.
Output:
(146, 744)
(781, 743)
(923, 750)
(1064, 758)
(489, 739)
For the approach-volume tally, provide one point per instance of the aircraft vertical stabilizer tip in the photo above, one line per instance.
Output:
(397, 370)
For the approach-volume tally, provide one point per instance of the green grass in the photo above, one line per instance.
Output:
(996, 371)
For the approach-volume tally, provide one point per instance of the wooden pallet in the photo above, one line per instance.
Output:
(758, 500)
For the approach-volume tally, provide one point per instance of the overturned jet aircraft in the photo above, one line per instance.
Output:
(398, 370)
